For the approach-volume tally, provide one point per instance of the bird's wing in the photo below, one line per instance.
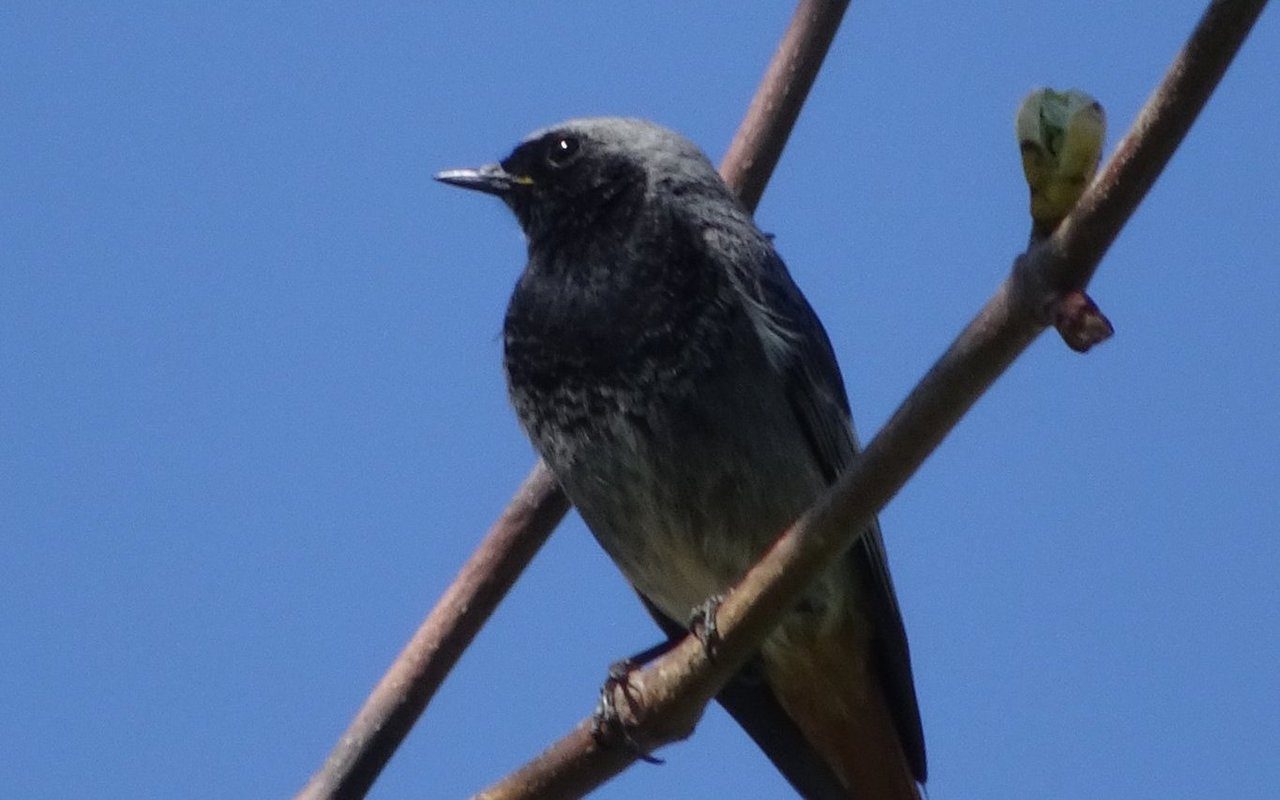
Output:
(800, 350)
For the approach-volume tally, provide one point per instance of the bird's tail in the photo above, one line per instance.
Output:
(829, 686)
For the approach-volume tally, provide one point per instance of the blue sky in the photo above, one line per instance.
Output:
(252, 416)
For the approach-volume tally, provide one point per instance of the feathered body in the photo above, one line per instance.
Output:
(683, 392)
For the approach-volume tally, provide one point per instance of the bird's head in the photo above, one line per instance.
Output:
(585, 172)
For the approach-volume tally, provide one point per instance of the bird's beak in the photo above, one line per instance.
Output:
(491, 179)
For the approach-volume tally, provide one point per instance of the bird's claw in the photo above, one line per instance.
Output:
(607, 726)
(702, 623)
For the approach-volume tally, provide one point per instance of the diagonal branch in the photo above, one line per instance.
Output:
(402, 694)
(758, 144)
(665, 699)
(538, 506)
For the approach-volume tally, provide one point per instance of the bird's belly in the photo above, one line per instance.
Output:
(685, 501)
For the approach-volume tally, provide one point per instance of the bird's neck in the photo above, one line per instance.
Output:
(596, 308)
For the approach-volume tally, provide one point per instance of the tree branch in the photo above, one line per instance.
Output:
(402, 694)
(664, 700)
(758, 144)
(538, 506)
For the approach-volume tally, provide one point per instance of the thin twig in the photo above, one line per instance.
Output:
(776, 105)
(668, 696)
(403, 693)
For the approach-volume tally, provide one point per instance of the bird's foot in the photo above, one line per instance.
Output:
(607, 726)
(702, 623)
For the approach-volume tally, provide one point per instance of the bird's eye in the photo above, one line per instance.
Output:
(561, 150)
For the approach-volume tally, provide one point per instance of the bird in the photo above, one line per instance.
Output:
(686, 397)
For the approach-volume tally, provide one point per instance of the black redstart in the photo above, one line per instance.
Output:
(687, 398)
